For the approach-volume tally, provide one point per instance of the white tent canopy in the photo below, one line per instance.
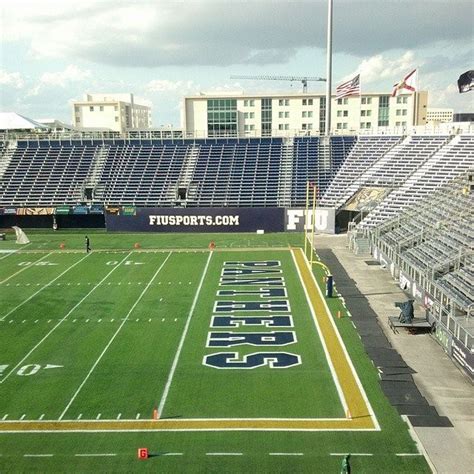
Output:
(14, 121)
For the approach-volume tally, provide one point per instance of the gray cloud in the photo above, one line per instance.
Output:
(252, 32)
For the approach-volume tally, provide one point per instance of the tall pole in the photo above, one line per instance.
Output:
(313, 223)
(327, 130)
(306, 220)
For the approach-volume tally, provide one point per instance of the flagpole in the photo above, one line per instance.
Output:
(327, 130)
(306, 220)
(415, 118)
(313, 223)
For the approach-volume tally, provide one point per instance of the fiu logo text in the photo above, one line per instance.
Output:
(255, 301)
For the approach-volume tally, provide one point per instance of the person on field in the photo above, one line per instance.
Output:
(88, 246)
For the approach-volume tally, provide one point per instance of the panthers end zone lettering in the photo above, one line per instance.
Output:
(250, 279)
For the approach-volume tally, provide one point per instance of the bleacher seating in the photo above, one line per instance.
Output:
(365, 152)
(243, 173)
(450, 161)
(435, 238)
(45, 173)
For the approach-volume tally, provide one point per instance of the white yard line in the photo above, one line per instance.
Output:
(41, 289)
(181, 342)
(344, 349)
(224, 454)
(113, 337)
(335, 378)
(92, 455)
(11, 252)
(352, 454)
(64, 318)
(32, 264)
(285, 454)
(38, 455)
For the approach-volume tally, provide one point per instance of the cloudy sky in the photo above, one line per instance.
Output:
(53, 51)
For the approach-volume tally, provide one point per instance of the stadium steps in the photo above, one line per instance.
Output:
(187, 173)
(7, 150)
(286, 174)
(93, 177)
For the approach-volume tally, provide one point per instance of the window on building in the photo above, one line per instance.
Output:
(252, 103)
(281, 102)
(91, 108)
(339, 113)
(339, 126)
(339, 101)
(344, 125)
(287, 126)
(310, 101)
(404, 124)
(362, 113)
(101, 108)
(310, 113)
(304, 114)
(345, 101)
(78, 119)
(116, 108)
(305, 101)
(246, 115)
(404, 111)
(280, 126)
(345, 113)
(287, 114)
(398, 112)
(246, 103)
(116, 119)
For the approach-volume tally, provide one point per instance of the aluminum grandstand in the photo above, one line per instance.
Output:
(408, 199)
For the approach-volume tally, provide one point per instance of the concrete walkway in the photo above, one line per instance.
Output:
(450, 450)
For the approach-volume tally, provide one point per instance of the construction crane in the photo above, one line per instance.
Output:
(303, 79)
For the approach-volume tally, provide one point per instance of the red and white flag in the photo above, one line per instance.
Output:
(351, 87)
(407, 84)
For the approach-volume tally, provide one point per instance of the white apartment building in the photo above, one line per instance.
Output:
(289, 114)
(116, 112)
(439, 115)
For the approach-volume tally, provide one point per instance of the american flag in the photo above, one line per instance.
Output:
(351, 87)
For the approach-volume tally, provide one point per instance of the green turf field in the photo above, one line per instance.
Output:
(92, 344)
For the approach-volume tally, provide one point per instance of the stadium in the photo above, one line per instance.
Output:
(226, 301)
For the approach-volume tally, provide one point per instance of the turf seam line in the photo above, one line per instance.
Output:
(63, 319)
(41, 289)
(114, 336)
(181, 342)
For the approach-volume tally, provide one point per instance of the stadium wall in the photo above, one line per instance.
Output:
(211, 219)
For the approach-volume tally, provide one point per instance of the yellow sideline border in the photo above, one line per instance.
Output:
(359, 415)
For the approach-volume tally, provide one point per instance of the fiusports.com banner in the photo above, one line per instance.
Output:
(199, 220)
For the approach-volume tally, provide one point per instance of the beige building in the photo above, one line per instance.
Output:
(438, 115)
(209, 115)
(116, 112)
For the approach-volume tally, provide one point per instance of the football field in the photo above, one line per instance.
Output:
(216, 361)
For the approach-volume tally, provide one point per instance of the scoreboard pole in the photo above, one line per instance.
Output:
(313, 222)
